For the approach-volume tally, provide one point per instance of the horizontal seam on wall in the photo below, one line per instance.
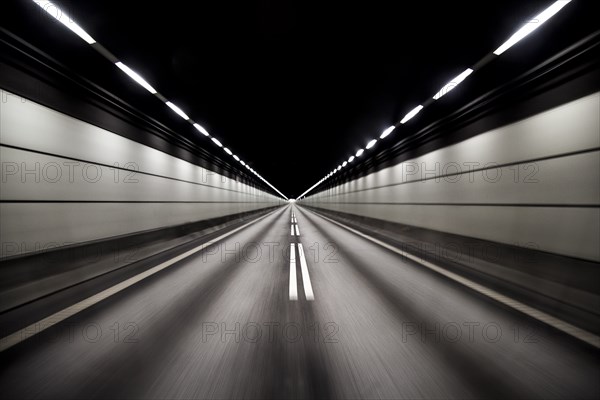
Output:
(578, 152)
(470, 204)
(133, 201)
(128, 170)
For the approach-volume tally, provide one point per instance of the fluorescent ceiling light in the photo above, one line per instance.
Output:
(387, 132)
(532, 25)
(411, 114)
(453, 83)
(529, 27)
(136, 77)
(56, 12)
(64, 19)
(201, 129)
(177, 110)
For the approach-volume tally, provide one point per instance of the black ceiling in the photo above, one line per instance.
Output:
(294, 88)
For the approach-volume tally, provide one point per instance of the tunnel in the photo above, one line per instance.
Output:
(288, 200)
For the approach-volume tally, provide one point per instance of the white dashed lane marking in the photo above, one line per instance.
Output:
(293, 279)
(308, 291)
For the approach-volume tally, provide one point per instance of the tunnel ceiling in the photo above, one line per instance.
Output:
(297, 87)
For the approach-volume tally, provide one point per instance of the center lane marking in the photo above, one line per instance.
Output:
(308, 291)
(293, 279)
(293, 290)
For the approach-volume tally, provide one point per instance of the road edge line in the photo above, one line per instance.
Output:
(532, 312)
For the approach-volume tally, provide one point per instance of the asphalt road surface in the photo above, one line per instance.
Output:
(294, 306)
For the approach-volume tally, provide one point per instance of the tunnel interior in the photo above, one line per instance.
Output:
(292, 200)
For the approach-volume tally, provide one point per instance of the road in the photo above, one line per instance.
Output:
(350, 320)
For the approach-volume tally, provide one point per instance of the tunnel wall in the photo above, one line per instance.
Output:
(65, 181)
(533, 182)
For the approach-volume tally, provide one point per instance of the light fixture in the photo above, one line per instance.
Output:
(201, 129)
(532, 25)
(56, 12)
(227, 151)
(177, 110)
(453, 83)
(135, 76)
(411, 114)
(236, 158)
(525, 30)
(387, 132)
(216, 141)
(64, 19)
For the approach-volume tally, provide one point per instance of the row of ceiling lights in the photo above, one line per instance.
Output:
(56, 12)
(529, 27)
